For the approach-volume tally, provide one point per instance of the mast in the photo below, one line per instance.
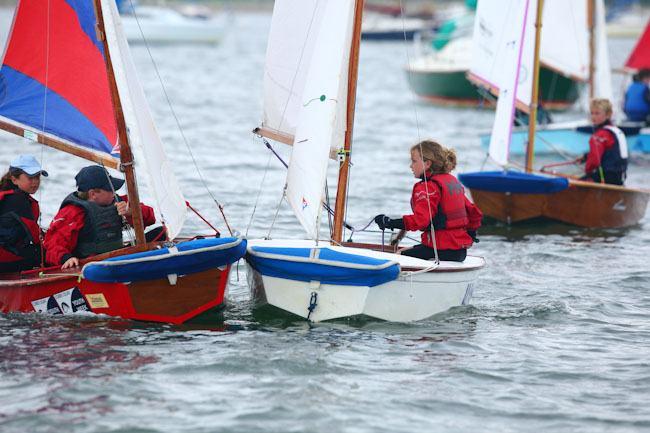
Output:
(344, 168)
(532, 121)
(591, 11)
(126, 155)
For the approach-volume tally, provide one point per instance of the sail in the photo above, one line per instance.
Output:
(502, 51)
(321, 115)
(54, 80)
(640, 56)
(149, 154)
(602, 85)
(564, 45)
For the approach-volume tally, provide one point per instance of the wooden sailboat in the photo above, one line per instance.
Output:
(310, 88)
(69, 82)
(511, 196)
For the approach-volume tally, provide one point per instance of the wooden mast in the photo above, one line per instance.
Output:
(591, 10)
(532, 120)
(126, 155)
(344, 168)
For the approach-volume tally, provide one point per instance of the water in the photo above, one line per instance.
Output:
(556, 339)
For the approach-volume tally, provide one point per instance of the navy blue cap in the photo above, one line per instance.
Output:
(97, 177)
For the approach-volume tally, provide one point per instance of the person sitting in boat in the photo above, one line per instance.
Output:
(439, 205)
(90, 220)
(606, 161)
(637, 97)
(20, 234)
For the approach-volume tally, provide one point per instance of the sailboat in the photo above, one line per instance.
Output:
(573, 137)
(309, 100)
(508, 57)
(69, 82)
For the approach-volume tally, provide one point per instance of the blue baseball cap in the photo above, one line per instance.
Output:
(97, 177)
(28, 164)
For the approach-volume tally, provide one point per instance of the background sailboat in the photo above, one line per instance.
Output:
(309, 98)
(69, 82)
(509, 45)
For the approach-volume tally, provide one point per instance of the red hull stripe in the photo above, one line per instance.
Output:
(74, 67)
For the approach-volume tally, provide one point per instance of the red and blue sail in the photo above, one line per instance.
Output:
(54, 76)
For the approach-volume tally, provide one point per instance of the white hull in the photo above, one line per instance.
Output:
(163, 25)
(412, 296)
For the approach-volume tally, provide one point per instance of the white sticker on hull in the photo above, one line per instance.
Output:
(66, 302)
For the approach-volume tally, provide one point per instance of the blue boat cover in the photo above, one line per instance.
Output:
(327, 267)
(191, 257)
(514, 182)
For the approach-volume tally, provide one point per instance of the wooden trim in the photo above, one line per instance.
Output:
(344, 168)
(274, 135)
(49, 141)
(608, 186)
(479, 82)
(591, 10)
(126, 155)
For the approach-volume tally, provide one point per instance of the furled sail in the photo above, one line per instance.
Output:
(54, 81)
(149, 153)
(305, 93)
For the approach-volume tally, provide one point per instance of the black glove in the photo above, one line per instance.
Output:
(381, 220)
(389, 223)
(582, 159)
(472, 234)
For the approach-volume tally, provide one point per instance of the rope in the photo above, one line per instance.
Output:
(259, 192)
(176, 120)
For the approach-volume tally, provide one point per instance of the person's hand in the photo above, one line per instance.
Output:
(123, 209)
(582, 159)
(472, 234)
(70, 263)
(382, 220)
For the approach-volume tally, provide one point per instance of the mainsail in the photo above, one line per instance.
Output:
(640, 57)
(55, 88)
(305, 94)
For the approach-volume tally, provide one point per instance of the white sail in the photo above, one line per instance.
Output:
(602, 75)
(565, 37)
(320, 120)
(502, 58)
(149, 154)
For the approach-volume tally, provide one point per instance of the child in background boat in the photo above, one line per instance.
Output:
(437, 200)
(90, 220)
(20, 234)
(606, 161)
(637, 97)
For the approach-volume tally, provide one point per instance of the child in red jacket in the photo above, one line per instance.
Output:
(90, 219)
(439, 206)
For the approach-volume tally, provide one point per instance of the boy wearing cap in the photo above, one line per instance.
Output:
(20, 234)
(89, 221)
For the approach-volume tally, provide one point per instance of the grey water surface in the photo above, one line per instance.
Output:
(557, 337)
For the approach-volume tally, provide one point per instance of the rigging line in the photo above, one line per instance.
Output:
(277, 211)
(178, 123)
(259, 192)
(417, 123)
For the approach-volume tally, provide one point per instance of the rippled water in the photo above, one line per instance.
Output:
(557, 338)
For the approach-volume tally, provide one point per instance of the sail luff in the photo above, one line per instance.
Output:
(344, 167)
(126, 155)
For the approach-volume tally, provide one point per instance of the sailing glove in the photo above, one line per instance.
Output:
(385, 222)
(472, 234)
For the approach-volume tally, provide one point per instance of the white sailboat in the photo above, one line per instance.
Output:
(309, 99)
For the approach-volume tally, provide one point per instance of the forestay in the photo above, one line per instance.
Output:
(54, 83)
(305, 93)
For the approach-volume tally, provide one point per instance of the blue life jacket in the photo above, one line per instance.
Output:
(615, 159)
(636, 107)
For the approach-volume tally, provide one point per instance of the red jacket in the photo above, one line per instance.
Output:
(31, 222)
(425, 201)
(600, 141)
(61, 238)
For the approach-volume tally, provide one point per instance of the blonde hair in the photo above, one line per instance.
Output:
(443, 160)
(601, 104)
